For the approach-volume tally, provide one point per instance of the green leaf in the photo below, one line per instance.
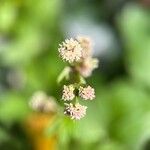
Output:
(82, 80)
(134, 26)
(64, 74)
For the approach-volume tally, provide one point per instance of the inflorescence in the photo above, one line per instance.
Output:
(78, 53)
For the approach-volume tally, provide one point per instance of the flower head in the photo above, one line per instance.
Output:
(87, 93)
(70, 50)
(37, 101)
(86, 45)
(50, 105)
(42, 102)
(69, 108)
(76, 111)
(68, 93)
(78, 52)
(87, 66)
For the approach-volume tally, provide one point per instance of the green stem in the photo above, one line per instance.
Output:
(76, 100)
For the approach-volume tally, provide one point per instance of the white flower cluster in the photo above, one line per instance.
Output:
(88, 63)
(42, 103)
(79, 50)
(68, 93)
(78, 53)
(70, 50)
(76, 111)
(86, 93)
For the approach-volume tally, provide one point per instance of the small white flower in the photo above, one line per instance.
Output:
(76, 111)
(69, 108)
(86, 45)
(42, 102)
(50, 105)
(87, 66)
(70, 50)
(68, 93)
(37, 101)
(87, 93)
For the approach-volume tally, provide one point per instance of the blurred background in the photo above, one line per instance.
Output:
(119, 117)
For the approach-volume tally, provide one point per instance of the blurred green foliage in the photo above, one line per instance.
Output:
(134, 26)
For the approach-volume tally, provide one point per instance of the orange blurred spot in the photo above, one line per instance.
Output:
(35, 125)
